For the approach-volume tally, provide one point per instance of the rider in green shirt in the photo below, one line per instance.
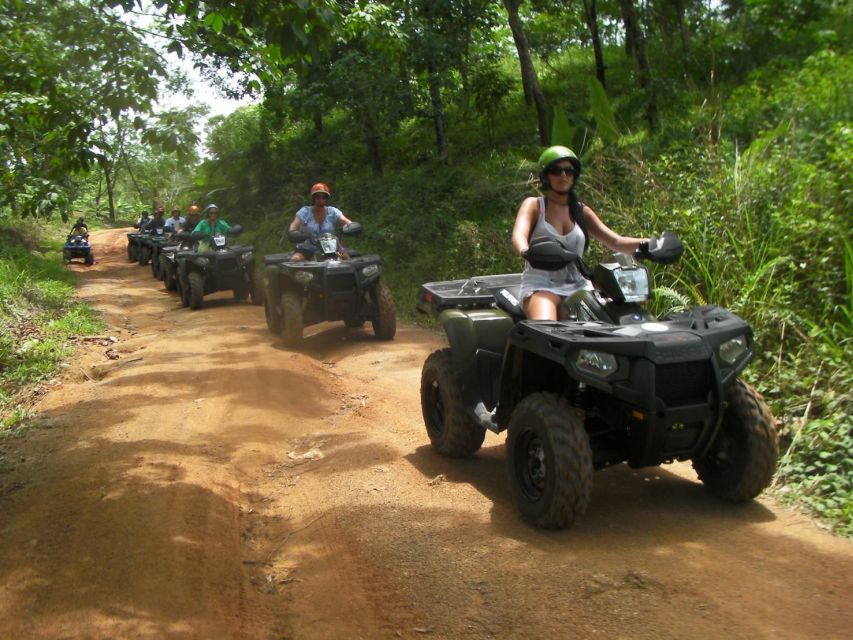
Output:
(212, 225)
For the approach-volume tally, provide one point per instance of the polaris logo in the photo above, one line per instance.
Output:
(509, 297)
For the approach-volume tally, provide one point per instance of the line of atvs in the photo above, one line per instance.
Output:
(330, 287)
(608, 384)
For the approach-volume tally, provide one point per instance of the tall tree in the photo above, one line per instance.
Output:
(529, 79)
(635, 44)
(66, 69)
(590, 10)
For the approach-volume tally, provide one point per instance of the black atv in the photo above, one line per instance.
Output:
(218, 267)
(327, 288)
(158, 242)
(133, 244)
(609, 384)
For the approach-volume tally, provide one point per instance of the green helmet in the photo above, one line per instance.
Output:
(555, 153)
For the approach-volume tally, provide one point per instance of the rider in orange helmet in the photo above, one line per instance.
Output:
(316, 218)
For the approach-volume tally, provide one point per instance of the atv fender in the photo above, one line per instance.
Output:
(477, 339)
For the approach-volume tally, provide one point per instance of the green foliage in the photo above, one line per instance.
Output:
(65, 68)
(37, 312)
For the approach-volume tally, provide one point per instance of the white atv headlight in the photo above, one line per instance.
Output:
(597, 362)
(303, 277)
(370, 270)
(202, 261)
(732, 350)
(248, 256)
(634, 284)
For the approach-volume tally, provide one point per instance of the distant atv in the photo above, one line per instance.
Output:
(133, 244)
(327, 288)
(220, 267)
(610, 384)
(77, 247)
(157, 242)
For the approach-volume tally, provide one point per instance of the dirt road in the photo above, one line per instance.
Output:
(210, 483)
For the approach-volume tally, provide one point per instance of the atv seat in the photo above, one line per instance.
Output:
(509, 299)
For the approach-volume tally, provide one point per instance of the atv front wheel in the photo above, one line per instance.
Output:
(451, 431)
(144, 254)
(241, 292)
(168, 272)
(155, 268)
(131, 252)
(385, 322)
(196, 290)
(272, 312)
(291, 310)
(89, 260)
(549, 459)
(745, 461)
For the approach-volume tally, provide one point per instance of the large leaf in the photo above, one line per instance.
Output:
(602, 112)
(561, 131)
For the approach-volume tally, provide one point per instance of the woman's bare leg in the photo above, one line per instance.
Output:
(542, 305)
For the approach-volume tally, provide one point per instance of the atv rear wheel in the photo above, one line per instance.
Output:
(291, 311)
(385, 322)
(744, 464)
(451, 431)
(196, 290)
(549, 460)
(257, 288)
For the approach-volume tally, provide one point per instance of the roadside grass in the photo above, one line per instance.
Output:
(38, 315)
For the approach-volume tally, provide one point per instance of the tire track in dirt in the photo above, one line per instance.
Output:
(211, 484)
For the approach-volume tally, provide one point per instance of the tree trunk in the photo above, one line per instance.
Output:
(109, 183)
(529, 79)
(437, 113)
(318, 120)
(591, 12)
(635, 35)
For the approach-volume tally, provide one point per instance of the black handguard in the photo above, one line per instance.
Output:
(664, 250)
(548, 254)
(297, 235)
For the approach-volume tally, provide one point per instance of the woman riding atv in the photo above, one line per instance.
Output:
(559, 214)
(317, 218)
(212, 224)
(80, 228)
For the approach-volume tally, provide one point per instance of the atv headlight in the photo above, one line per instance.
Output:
(303, 277)
(202, 261)
(732, 350)
(596, 362)
(633, 283)
(248, 256)
(370, 270)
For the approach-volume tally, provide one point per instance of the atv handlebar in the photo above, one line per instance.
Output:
(664, 250)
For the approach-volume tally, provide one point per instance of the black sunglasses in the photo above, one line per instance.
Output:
(321, 195)
(560, 171)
